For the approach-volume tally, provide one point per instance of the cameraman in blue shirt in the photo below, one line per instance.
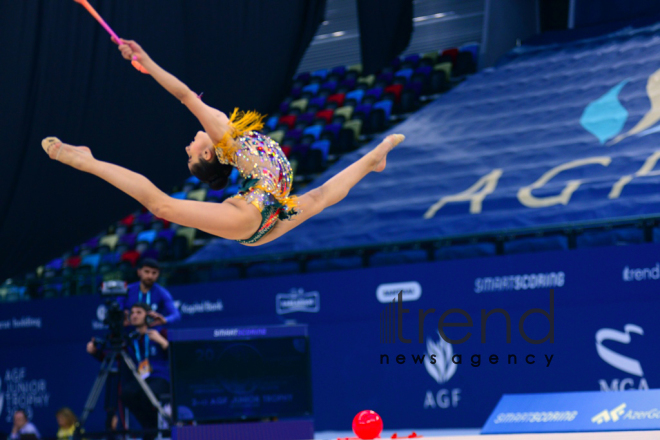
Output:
(147, 291)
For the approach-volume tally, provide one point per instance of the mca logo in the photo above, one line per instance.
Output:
(621, 362)
(609, 416)
(606, 116)
(438, 360)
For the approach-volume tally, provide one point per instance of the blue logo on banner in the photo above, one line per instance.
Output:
(575, 412)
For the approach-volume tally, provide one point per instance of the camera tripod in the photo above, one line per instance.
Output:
(117, 352)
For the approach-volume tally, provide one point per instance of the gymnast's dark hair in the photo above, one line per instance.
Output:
(214, 173)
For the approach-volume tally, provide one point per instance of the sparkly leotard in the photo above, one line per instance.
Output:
(265, 168)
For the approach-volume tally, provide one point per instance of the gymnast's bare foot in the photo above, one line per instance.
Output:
(385, 147)
(75, 157)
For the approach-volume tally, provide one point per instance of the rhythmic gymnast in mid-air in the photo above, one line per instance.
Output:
(263, 210)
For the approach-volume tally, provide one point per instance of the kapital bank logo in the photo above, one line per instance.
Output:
(297, 300)
(619, 361)
(410, 291)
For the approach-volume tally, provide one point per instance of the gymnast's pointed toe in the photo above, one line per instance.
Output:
(48, 142)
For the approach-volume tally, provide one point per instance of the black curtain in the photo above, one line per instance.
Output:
(61, 76)
(386, 27)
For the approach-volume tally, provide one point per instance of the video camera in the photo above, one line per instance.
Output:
(114, 317)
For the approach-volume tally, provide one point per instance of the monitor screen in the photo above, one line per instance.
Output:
(216, 380)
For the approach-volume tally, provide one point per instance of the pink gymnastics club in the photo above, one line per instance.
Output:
(118, 40)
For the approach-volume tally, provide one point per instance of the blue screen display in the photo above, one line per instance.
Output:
(239, 380)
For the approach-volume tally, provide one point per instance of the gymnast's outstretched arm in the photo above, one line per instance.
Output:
(215, 122)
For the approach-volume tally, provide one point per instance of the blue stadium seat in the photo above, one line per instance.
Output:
(147, 236)
(311, 89)
(231, 190)
(314, 130)
(194, 180)
(234, 176)
(404, 73)
(323, 146)
(321, 73)
(473, 48)
(179, 195)
(354, 98)
(385, 106)
(91, 260)
(272, 122)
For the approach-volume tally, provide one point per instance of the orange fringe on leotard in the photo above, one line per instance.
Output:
(239, 123)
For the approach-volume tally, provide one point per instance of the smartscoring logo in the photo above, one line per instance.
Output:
(520, 282)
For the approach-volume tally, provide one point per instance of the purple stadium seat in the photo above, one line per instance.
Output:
(307, 118)
(215, 194)
(151, 253)
(145, 218)
(348, 83)
(110, 258)
(304, 77)
(318, 103)
(293, 134)
(413, 60)
(386, 77)
(284, 107)
(56, 264)
(376, 93)
(331, 132)
(166, 234)
(331, 86)
(128, 239)
(93, 243)
(362, 109)
(339, 70)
